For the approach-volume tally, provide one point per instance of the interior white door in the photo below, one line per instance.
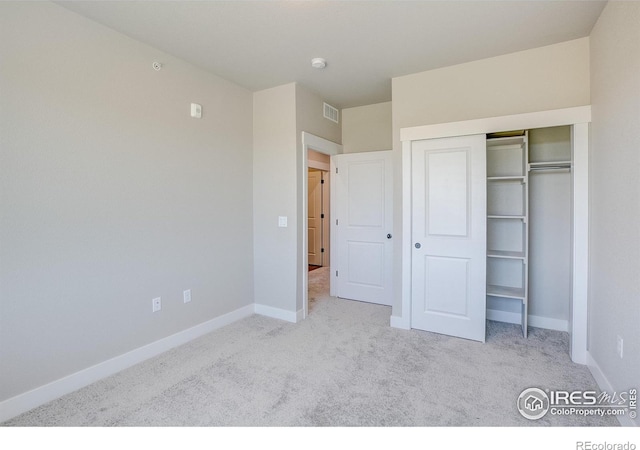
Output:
(448, 278)
(325, 218)
(315, 217)
(364, 218)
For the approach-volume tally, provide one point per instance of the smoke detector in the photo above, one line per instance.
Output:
(318, 63)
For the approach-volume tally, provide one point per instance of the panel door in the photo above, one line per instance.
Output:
(315, 217)
(363, 184)
(449, 236)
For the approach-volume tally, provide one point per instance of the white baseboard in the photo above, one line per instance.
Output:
(21, 403)
(399, 322)
(277, 313)
(549, 323)
(534, 321)
(604, 385)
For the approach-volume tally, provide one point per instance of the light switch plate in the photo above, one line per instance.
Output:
(196, 111)
(282, 221)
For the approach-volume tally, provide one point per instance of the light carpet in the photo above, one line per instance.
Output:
(342, 366)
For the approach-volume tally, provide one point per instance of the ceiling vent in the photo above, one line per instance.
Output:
(331, 113)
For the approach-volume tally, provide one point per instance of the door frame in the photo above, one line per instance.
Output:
(320, 145)
(579, 119)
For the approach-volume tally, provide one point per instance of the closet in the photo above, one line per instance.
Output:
(537, 236)
(529, 227)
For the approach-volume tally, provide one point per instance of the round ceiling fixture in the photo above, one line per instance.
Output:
(318, 63)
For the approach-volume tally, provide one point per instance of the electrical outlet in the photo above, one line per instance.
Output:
(186, 296)
(156, 304)
(620, 347)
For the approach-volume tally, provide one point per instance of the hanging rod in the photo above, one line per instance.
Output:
(550, 165)
(556, 167)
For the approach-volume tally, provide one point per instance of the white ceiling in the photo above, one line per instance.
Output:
(261, 44)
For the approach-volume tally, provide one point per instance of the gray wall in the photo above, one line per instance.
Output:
(614, 273)
(112, 195)
(274, 194)
(367, 128)
(309, 118)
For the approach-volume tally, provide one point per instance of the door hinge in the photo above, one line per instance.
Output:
(321, 250)
(322, 216)
(336, 221)
(336, 273)
(336, 170)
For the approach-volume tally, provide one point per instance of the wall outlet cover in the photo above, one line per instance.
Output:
(156, 304)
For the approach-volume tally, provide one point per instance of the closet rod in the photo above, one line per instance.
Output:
(550, 167)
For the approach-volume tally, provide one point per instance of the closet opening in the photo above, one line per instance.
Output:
(529, 227)
(574, 121)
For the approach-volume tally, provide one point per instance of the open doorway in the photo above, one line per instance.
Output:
(316, 157)
(318, 210)
(318, 242)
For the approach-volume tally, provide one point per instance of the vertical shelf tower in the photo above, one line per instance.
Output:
(507, 221)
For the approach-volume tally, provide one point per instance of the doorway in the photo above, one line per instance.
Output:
(318, 210)
(314, 148)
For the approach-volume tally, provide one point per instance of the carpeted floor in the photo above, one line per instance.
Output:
(342, 366)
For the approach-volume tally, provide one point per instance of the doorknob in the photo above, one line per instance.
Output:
(418, 245)
(389, 236)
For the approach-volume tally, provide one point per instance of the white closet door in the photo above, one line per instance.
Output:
(449, 236)
(364, 208)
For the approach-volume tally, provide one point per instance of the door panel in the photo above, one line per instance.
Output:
(365, 193)
(366, 264)
(447, 192)
(449, 236)
(446, 281)
(363, 185)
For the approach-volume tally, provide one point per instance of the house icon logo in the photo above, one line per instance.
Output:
(533, 403)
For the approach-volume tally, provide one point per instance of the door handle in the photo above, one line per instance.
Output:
(389, 236)
(418, 245)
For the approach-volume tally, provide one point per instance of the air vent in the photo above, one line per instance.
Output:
(331, 113)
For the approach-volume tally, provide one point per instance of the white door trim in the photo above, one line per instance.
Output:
(318, 144)
(542, 119)
(579, 118)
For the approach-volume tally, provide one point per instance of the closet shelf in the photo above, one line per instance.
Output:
(506, 292)
(504, 141)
